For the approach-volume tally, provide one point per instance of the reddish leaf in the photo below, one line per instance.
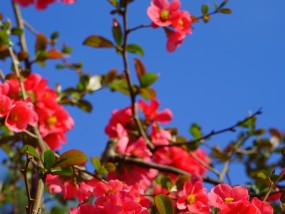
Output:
(148, 93)
(140, 68)
(98, 42)
(41, 42)
(72, 157)
(55, 54)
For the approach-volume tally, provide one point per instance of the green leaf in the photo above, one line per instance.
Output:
(83, 82)
(72, 157)
(134, 48)
(263, 178)
(84, 105)
(54, 35)
(98, 42)
(148, 79)
(117, 32)
(4, 38)
(49, 159)
(113, 2)
(205, 9)
(67, 171)
(30, 150)
(225, 10)
(119, 85)
(16, 31)
(148, 93)
(195, 130)
(163, 204)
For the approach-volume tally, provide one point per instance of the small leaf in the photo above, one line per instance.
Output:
(148, 79)
(84, 105)
(206, 18)
(49, 159)
(134, 48)
(195, 130)
(4, 38)
(225, 10)
(140, 68)
(163, 204)
(22, 55)
(275, 133)
(148, 93)
(119, 85)
(55, 54)
(117, 32)
(31, 151)
(67, 171)
(41, 42)
(16, 31)
(264, 179)
(66, 50)
(54, 35)
(72, 157)
(205, 9)
(98, 42)
(113, 2)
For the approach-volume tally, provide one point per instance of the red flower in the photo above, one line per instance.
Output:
(20, 116)
(174, 40)
(151, 113)
(182, 22)
(5, 105)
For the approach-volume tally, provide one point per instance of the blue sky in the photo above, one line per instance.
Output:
(223, 71)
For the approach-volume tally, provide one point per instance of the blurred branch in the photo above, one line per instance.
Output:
(130, 85)
(162, 168)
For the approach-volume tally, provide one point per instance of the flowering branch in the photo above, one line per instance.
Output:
(130, 85)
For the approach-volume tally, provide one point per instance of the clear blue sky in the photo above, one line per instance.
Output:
(227, 68)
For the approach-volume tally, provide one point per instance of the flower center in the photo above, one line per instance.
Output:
(191, 198)
(228, 200)
(180, 22)
(164, 15)
(51, 120)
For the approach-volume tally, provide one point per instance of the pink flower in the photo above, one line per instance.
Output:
(5, 105)
(182, 22)
(20, 116)
(69, 189)
(180, 158)
(161, 11)
(120, 198)
(41, 4)
(151, 113)
(193, 198)
(85, 209)
(159, 136)
(174, 40)
(139, 149)
(223, 194)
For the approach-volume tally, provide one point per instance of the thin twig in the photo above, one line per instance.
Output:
(30, 27)
(202, 162)
(213, 133)
(273, 185)
(138, 27)
(24, 172)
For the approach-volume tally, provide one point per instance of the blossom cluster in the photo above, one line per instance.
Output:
(124, 190)
(41, 4)
(165, 14)
(18, 114)
(41, 106)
